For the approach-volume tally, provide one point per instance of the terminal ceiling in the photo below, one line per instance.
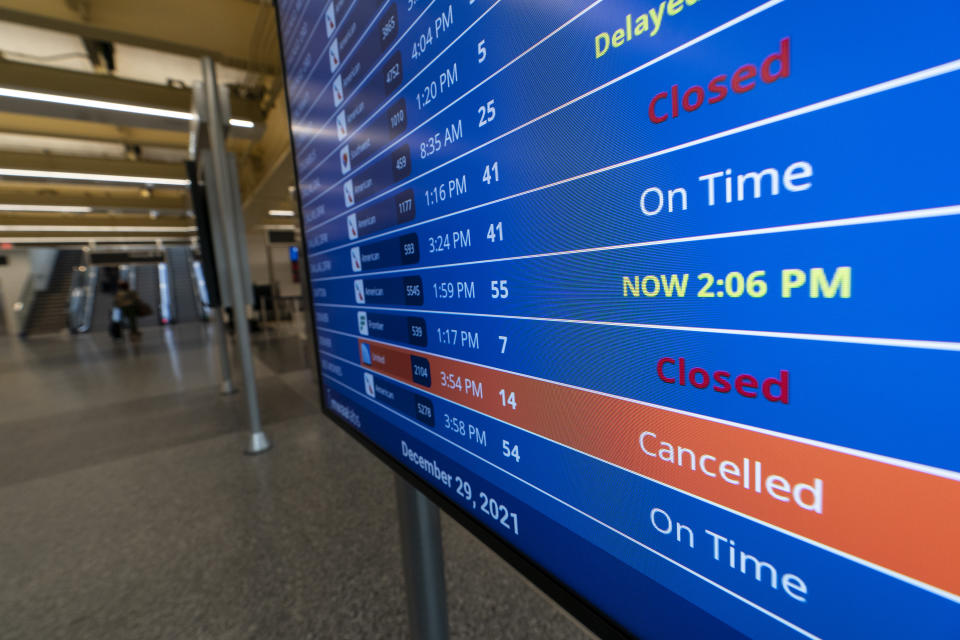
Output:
(131, 52)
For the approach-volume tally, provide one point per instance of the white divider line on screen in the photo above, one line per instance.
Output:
(902, 81)
(690, 43)
(378, 110)
(296, 51)
(858, 453)
(334, 33)
(453, 102)
(918, 214)
(294, 19)
(322, 55)
(373, 67)
(843, 554)
(907, 343)
(594, 519)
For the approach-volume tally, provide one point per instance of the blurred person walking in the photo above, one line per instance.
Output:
(131, 307)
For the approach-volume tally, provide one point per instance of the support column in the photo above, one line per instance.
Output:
(259, 442)
(422, 547)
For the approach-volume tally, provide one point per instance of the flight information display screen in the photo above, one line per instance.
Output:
(659, 293)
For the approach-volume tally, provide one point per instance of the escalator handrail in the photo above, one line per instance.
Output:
(90, 294)
(202, 310)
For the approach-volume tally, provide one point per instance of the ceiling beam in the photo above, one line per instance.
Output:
(91, 86)
(95, 219)
(32, 201)
(226, 30)
(34, 125)
(81, 228)
(35, 77)
(100, 166)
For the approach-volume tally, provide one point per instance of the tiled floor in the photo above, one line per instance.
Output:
(128, 510)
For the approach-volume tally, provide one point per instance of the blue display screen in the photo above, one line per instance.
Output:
(657, 292)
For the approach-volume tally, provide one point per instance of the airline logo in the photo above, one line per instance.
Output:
(362, 325)
(358, 294)
(365, 353)
(338, 95)
(345, 160)
(348, 200)
(334, 55)
(341, 126)
(355, 259)
(368, 384)
(331, 20)
(352, 231)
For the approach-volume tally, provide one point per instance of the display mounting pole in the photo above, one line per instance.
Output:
(422, 548)
(218, 154)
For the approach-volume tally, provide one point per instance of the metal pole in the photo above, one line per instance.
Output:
(220, 331)
(218, 154)
(270, 277)
(422, 547)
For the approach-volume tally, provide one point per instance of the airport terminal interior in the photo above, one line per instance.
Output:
(479, 319)
(129, 509)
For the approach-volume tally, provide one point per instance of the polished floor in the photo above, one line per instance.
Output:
(128, 511)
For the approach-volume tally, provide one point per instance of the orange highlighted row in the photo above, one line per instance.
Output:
(902, 519)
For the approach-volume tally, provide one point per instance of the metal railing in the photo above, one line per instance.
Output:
(200, 294)
(83, 294)
(167, 302)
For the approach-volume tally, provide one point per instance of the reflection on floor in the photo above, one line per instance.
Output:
(128, 510)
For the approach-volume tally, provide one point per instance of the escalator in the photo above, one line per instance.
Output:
(183, 293)
(103, 298)
(144, 280)
(170, 288)
(50, 309)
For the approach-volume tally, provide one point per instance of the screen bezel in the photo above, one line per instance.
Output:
(572, 602)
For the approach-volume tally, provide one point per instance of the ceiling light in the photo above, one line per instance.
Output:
(106, 105)
(95, 104)
(99, 239)
(93, 177)
(82, 228)
(49, 208)
(281, 213)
